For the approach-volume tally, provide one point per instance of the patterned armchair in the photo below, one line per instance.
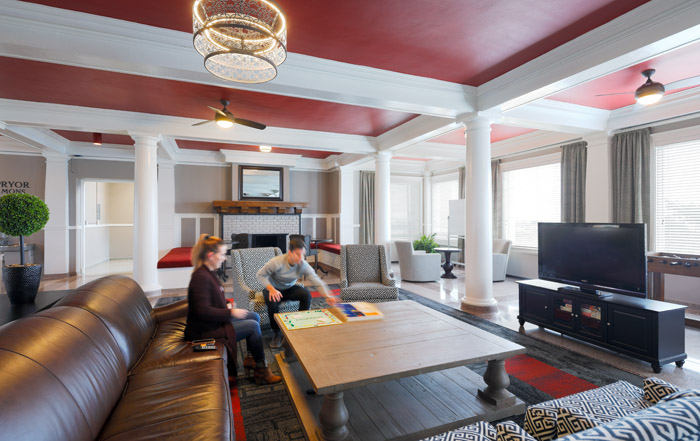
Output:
(247, 290)
(364, 275)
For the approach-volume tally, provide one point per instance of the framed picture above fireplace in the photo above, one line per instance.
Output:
(260, 183)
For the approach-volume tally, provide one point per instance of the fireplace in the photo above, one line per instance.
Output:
(269, 240)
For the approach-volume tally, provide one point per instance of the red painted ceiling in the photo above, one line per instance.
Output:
(462, 41)
(499, 132)
(54, 83)
(673, 66)
(215, 146)
(107, 138)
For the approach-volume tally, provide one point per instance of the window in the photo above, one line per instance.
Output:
(444, 189)
(405, 208)
(677, 204)
(531, 194)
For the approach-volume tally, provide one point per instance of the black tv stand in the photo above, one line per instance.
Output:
(645, 329)
(583, 291)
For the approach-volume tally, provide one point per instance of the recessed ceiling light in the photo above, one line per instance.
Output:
(265, 148)
(97, 138)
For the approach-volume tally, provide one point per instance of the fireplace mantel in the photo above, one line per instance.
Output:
(259, 207)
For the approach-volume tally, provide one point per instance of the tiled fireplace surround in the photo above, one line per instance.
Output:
(260, 224)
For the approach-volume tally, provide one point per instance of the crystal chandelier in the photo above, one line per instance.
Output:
(241, 40)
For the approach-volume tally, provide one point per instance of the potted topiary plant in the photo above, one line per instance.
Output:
(426, 242)
(21, 215)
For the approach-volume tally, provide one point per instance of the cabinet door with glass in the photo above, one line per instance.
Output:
(591, 319)
(563, 313)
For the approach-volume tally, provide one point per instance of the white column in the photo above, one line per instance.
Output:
(146, 213)
(479, 245)
(56, 230)
(427, 203)
(166, 205)
(598, 179)
(382, 214)
(346, 208)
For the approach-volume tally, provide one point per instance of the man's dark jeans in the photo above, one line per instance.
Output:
(296, 292)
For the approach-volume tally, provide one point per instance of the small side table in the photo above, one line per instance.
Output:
(316, 242)
(447, 266)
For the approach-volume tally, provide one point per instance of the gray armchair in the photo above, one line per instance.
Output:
(417, 266)
(364, 275)
(247, 289)
(501, 252)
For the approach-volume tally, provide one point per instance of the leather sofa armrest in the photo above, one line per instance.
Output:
(171, 311)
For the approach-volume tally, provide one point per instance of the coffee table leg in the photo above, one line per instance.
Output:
(289, 355)
(333, 417)
(497, 380)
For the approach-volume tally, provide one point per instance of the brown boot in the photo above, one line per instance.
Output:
(263, 375)
(248, 365)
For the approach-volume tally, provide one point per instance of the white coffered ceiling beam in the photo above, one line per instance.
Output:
(678, 106)
(418, 129)
(436, 151)
(645, 32)
(60, 116)
(53, 35)
(43, 140)
(557, 116)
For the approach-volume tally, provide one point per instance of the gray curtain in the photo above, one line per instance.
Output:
(496, 199)
(366, 207)
(462, 194)
(630, 155)
(573, 182)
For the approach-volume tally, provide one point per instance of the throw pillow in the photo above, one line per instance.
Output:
(571, 420)
(480, 431)
(681, 394)
(655, 389)
(509, 431)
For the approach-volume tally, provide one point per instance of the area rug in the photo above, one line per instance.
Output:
(544, 373)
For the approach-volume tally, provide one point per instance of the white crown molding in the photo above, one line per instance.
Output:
(259, 158)
(436, 151)
(678, 106)
(26, 113)
(88, 151)
(54, 35)
(168, 148)
(530, 141)
(645, 32)
(557, 116)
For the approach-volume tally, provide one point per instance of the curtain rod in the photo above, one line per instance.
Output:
(537, 149)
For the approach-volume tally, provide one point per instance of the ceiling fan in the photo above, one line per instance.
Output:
(651, 91)
(224, 118)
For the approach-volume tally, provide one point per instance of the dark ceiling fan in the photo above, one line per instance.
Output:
(651, 91)
(224, 118)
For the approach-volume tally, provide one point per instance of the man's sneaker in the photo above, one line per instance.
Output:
(276, 342)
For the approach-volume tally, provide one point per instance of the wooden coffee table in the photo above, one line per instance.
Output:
(402, 377)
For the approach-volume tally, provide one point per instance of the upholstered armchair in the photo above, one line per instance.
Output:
(364, 275)
(247, 289)
(501, 251)
(417, 266)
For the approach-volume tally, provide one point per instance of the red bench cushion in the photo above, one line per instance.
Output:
(330, 247)
(176, 258)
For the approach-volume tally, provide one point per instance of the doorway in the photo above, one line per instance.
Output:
(107, 227)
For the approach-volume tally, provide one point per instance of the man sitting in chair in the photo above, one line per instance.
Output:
(279, 277)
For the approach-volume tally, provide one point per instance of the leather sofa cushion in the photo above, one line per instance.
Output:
(89, 371)
(123, 307)
(35, 404)
(192, 397)
(168, 348)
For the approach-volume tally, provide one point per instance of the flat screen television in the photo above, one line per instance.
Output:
(594, 258)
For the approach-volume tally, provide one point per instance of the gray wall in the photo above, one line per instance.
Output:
(318, 188)
(30, 170)
(197, 186)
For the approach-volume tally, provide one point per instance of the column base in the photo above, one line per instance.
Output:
(468, 305)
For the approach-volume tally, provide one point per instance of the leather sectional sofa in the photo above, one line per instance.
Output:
(102, 364)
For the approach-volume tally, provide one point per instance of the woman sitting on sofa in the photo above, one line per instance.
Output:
(210, 316)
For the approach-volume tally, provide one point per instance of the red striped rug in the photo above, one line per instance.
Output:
(237, 414)
(546, 378)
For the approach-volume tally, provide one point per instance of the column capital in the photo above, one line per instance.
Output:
(166, 163)
(383, 155)
(143, 138)
(479, 118)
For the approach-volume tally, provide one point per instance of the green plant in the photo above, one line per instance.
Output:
(426, 242)
(22, 214)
